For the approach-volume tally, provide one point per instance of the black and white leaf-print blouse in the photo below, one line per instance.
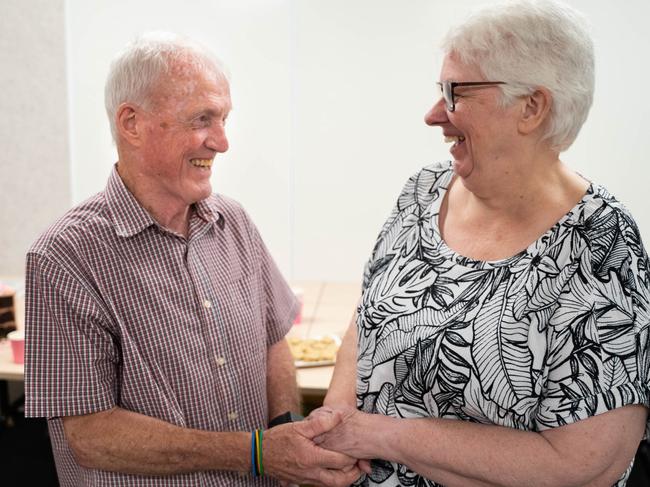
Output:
(550, 336)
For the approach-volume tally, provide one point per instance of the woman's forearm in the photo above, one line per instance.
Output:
(459, 453)
(341, 391)
(593, 452)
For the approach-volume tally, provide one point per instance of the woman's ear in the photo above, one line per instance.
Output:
(535, 110)
(128, 121)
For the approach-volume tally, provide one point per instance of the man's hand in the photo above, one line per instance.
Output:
(290, 454)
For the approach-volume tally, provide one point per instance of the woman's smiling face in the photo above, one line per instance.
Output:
(482, 131)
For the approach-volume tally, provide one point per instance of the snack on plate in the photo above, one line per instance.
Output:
(321, 349)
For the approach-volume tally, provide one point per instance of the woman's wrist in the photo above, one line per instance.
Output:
(378, 435)
(399, 435)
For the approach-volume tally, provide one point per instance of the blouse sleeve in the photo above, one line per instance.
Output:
(416, 195)
(598, 338)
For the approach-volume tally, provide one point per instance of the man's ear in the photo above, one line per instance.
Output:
(535, 110)
(129, 123)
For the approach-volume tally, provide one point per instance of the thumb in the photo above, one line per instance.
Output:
(319, 424)
(364, 465)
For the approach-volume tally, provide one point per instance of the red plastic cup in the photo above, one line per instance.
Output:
(299, 295)
(17, 340)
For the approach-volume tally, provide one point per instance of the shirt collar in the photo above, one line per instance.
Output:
(208, 212)
(130, 218)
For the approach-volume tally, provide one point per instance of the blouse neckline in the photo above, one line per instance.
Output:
(535, 248)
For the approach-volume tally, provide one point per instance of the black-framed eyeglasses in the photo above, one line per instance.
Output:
(447, 90)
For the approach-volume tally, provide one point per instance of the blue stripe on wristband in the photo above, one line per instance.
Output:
(253, 469)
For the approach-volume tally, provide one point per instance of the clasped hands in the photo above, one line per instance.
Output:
(316, 451)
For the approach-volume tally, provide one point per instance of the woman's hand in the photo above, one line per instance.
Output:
(290, 454)
(350, 435)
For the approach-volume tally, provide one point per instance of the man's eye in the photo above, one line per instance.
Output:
(202, 121)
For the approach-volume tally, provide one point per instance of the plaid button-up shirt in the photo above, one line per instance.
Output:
(123, 312)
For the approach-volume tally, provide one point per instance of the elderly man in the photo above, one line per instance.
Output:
(155, 314)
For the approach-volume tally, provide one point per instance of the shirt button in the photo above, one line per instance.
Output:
(207, 304)
(220, 360)
(233, 416)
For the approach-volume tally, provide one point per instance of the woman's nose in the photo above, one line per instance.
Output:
(437, 114)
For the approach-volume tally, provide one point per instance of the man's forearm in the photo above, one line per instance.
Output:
(281, 388)
(123, 441)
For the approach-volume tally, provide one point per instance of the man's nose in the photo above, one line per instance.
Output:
(437, 115)
(217, 140)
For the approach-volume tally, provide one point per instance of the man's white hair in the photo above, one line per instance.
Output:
(530, 44)
(136, 70)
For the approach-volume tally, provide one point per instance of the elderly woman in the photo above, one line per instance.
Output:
(502, 333)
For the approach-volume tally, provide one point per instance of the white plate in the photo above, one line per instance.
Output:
(318, 363)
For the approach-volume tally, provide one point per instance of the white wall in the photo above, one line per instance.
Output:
(34, 161)
(329, 97)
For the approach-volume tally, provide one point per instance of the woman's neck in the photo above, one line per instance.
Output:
(522, 192)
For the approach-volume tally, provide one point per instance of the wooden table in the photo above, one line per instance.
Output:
(327, 309)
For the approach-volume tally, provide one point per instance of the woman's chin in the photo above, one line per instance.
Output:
(463, 168)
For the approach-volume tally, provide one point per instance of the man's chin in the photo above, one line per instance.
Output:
(200, 193)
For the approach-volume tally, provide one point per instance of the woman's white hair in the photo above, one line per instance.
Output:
(530, 44)
(136, 71)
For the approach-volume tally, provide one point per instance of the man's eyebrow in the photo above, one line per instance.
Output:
(212, 112)
(204, 111)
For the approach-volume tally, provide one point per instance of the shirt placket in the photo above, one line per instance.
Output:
(214, 334)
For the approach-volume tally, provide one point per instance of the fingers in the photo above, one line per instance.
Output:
(318, 424)
(319, 411)
(337, 478)
(332, 459)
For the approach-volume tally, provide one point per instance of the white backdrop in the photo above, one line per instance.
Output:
(329, 97)
(34, 157)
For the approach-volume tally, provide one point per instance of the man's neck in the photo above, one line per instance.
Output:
(171, 214)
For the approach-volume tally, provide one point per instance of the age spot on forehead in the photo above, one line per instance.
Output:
(164, 125)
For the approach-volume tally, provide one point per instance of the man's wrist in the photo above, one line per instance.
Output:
(286, 417)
